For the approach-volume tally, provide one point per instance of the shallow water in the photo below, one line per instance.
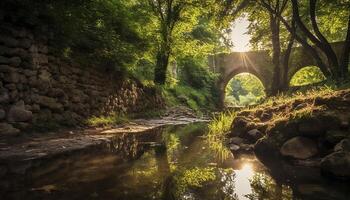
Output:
(175, 163)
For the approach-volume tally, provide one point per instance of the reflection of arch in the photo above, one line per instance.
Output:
(236, 71)
(319, 75)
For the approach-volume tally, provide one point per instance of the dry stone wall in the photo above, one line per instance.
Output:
(38, 88)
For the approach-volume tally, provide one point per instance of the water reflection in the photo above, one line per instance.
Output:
(243, 177)
(179, 165)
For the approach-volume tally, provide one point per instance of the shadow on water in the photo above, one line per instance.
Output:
(175, 162)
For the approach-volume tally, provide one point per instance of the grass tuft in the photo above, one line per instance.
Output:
(110, 120)
(219, 127)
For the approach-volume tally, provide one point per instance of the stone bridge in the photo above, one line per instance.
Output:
(259, 63)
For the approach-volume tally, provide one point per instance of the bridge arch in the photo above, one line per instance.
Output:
(224, 80)
(244, 89)
(259, 63)
(306, 75)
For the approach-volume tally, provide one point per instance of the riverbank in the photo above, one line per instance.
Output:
(309, 130)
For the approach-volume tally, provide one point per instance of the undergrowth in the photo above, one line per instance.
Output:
(219, 127)
(112, 119)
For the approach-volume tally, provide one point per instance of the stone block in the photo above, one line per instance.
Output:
(18, 113)
(8, 129)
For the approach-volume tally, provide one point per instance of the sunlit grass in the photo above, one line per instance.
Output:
(284, 106)
(221, 124)
(109, 120)
(219, 127)
(284, 98)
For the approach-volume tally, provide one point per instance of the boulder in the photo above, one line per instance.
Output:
(234, 147)
(48, 102)
(299, 148)
(18, 113)
(8, 129)
(319, 192)
(335, 136)
(266, 152)
(253, 135)
(240, 126)
(311, 127)
(237, 140)
(337, 165)
(343, 145)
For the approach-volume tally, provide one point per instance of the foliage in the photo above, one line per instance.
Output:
(197, 177)
(218, 127)
(307, 75)
(110, 120)
(246, 89)
(194, 87)
(221, 124)
(197, 100)
(264, 187)
(194, 73)
(92, 32)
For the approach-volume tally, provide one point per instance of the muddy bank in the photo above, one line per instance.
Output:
(310, 132)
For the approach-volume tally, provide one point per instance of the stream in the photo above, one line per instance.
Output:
(174, 162)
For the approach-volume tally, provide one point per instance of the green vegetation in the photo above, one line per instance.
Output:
(165, 44)
(244, 89)
(110, 120)
(264, 187)
(219, 127)
(306, 76)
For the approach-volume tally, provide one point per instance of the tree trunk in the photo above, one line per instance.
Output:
(163, 55)
(276, 54)
(344, 61)
(323, 67)
(285, 79)
(322, 45)
(160, 70)
(331, 56)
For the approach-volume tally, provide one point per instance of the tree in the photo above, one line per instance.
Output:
(281, 42)
(169, 15)
(332, 68)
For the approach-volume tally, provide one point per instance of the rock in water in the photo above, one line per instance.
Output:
(253, 135)
(337, 164)
(299, 148)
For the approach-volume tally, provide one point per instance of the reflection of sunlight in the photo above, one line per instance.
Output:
(243, 176)
(247, 62)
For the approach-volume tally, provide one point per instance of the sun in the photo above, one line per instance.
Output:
(239, 37)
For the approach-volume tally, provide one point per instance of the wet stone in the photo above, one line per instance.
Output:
(299, 148)
(343, 145)
(337, 165)
(335, 136)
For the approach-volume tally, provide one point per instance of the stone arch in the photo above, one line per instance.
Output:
(299, 69)
(222, 84)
